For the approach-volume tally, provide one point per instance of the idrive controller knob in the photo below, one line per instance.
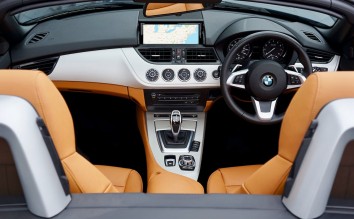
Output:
(186, 162)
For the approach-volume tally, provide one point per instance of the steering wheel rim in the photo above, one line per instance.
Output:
(228, 77)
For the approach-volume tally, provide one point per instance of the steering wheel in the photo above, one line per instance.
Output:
(264, 80)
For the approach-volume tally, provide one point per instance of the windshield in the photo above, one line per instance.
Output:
(39, 14)
(311, 17)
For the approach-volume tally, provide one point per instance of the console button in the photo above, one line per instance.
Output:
(152, 74)
(170, 160)
(216, 74)
(168, 74)
(195, 146)
(323, 69)
(184, 74)
(200, 74)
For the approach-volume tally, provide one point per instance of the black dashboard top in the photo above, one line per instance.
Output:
(118, 29)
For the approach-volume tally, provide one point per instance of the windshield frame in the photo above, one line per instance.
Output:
(284, 10)
(76, 7)
(36, 5)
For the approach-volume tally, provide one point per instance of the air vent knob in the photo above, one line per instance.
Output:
(152, 74)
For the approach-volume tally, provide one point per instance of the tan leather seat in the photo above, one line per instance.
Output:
(317, 91)
(84, 177)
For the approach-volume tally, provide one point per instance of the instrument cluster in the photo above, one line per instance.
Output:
(269, 48)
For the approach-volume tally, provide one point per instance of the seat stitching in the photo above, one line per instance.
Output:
(245, 188)
(72, 175)
(109, 186)
(223, 179)
(38, 96)
(316, 96)
(126, 180)
(285, 174)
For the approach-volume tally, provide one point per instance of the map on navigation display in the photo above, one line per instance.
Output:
(170, 33)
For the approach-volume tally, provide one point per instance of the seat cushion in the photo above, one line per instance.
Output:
(167, 182)
(123, 179)
(229, 180)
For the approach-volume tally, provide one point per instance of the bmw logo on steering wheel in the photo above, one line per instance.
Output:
(268, 80)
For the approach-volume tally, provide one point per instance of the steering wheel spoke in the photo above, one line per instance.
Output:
(264, 109)
(237, 79)
(294, 79)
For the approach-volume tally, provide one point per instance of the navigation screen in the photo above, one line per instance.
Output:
(170, 33)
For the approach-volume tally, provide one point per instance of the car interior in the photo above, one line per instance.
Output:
(188, 97)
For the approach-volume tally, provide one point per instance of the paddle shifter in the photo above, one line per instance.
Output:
(176, 121)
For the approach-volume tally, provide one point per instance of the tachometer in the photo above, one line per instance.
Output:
(245, 51)
(273, 49)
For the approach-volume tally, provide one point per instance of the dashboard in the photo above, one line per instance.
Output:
(170, 52)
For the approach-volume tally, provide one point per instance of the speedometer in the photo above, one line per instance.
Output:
(273, 49)
(245, 51)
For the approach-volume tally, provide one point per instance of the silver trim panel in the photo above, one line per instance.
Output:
(124, 66)
(312, 186)
(194, 124)
(332, 65)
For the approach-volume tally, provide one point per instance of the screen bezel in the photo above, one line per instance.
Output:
(200, 40)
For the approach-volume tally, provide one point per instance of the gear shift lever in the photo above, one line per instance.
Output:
(176, 120)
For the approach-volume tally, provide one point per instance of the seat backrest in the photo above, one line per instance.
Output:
(39, 90)
(318, 90)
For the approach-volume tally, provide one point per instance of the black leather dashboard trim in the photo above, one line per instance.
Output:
(81, 33)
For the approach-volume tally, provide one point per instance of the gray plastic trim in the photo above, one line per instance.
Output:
(162, 206)
(43, 191)
(309, 195)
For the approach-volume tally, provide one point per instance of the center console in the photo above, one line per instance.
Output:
(175, 124)
(177, 152)
(178, 71)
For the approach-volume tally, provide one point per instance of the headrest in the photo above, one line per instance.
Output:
(318, 90)
(39, 90)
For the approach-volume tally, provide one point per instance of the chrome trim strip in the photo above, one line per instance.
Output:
(265, 116)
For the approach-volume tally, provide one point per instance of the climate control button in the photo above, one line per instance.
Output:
(168, 74)
(184, 74)
(200, 74)
(152, 74)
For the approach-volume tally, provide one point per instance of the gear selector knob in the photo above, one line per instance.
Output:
(176, 120)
